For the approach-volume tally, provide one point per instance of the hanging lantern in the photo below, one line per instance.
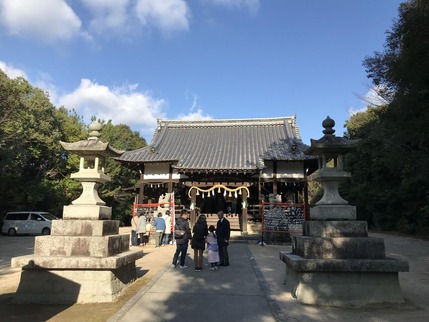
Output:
(213, 193)
(224, 193)
(235, 195)
(218, 190)
(203, 195)
(198, 192)
(230, 194)
(240, 192)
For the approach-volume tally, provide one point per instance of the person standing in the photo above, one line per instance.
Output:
(181, 240)
(159, 224)
(134, 238)
(198, 242)
(167, 231)
(141, 227)
(223, 232)
(213, 249)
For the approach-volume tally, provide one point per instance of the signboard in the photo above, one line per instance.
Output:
(283, 217)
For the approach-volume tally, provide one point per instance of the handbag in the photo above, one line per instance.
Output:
(179, 233)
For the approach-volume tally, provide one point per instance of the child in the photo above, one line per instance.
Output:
(213, 249)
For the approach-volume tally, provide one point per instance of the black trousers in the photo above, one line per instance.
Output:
(180, 249)
(223, 255)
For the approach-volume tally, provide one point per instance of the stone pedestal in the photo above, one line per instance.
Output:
(337, 264)
(82, 261)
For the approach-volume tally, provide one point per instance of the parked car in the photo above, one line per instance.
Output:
(27, 222)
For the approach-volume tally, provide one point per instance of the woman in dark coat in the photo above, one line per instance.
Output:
(198, 244)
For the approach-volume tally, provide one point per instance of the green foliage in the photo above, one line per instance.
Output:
(315, 192)
(390, 183)
(29, 144)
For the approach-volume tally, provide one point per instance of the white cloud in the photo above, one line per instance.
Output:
(195, 114)
(48, 20)
(167, 15)
(121, 105)
(251, 5)
(108, 15)
(370, 98)
(11, 71)
(356, 110)
(56, 20)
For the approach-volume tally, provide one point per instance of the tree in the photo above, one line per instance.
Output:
(123, 138)
(390, 168)
(29, 136)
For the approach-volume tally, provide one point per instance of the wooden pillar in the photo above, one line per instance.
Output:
(275, 178)
(244, 213)
(170, 180)
(193, 201)
(141, 190)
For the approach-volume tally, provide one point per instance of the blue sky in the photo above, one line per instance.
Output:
(136, 61)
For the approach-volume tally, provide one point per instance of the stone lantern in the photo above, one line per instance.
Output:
(330, 150)
(84, 260)
(91, 175)
(335, 262)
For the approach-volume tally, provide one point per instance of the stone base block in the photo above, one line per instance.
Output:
(89, 212)
(339, 247)
(29, 262)
(344, 289)
(84, 227)
(81, 245)
(73, 286)
(343, 282)
(336, 228)
(333, 212)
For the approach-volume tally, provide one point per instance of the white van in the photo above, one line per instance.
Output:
(27, 222)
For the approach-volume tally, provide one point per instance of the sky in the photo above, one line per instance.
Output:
(136, 61)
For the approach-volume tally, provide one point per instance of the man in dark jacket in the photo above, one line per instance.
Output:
(223, 232)
(181, 241)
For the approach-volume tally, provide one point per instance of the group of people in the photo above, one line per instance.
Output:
(215, 238)
(139, 229)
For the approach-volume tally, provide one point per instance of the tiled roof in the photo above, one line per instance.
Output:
(219, 145)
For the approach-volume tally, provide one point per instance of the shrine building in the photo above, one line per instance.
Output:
(230, 165)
